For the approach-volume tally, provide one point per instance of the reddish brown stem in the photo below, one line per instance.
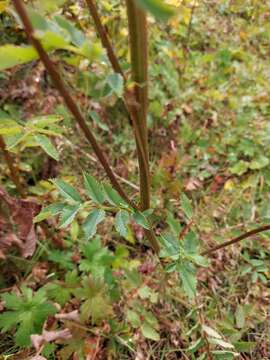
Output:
(13, 172)
(129, 99)
(70, 103)
(104, 37)
(137, 23)
(237, 239)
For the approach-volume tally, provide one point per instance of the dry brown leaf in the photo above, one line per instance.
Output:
(20, 215)
(49, 336)
(72, 316)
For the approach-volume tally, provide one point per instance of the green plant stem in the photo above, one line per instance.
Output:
(237, 239)
(13, 171)
(137, 23)
(70, 103)
(129, 100)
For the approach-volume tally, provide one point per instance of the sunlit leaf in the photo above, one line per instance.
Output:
(47, 146)
(158, 8)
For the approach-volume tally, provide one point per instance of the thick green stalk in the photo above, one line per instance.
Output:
(138, 51)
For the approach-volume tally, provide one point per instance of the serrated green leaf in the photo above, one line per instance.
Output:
(8, 320)
(25, 329)
(43, 215)
(93, 189)
(116, 83)
(121, 222)
(112, 196)
(186, 206)
(199, 260)
(171, 245)
(45, 143)
(141, 220)
(27, 316)
(91, 222)
(259, 163)
(49, 211)
(62, 258)
(67, 190)
(68, 214)
(173, 223)
(188, 276)
(239, 168)
(158, 8)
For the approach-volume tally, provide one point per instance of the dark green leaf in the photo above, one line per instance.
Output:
(47, 146)
(67, 190)
(112, 196)
(188, 276)
(141, 220)
(68, 214)
(93, 189)
(121, 222)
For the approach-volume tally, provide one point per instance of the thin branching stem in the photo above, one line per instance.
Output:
(104, 37)
(237, 239)
(69, 101)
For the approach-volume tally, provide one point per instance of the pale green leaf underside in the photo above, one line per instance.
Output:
(91, 222)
